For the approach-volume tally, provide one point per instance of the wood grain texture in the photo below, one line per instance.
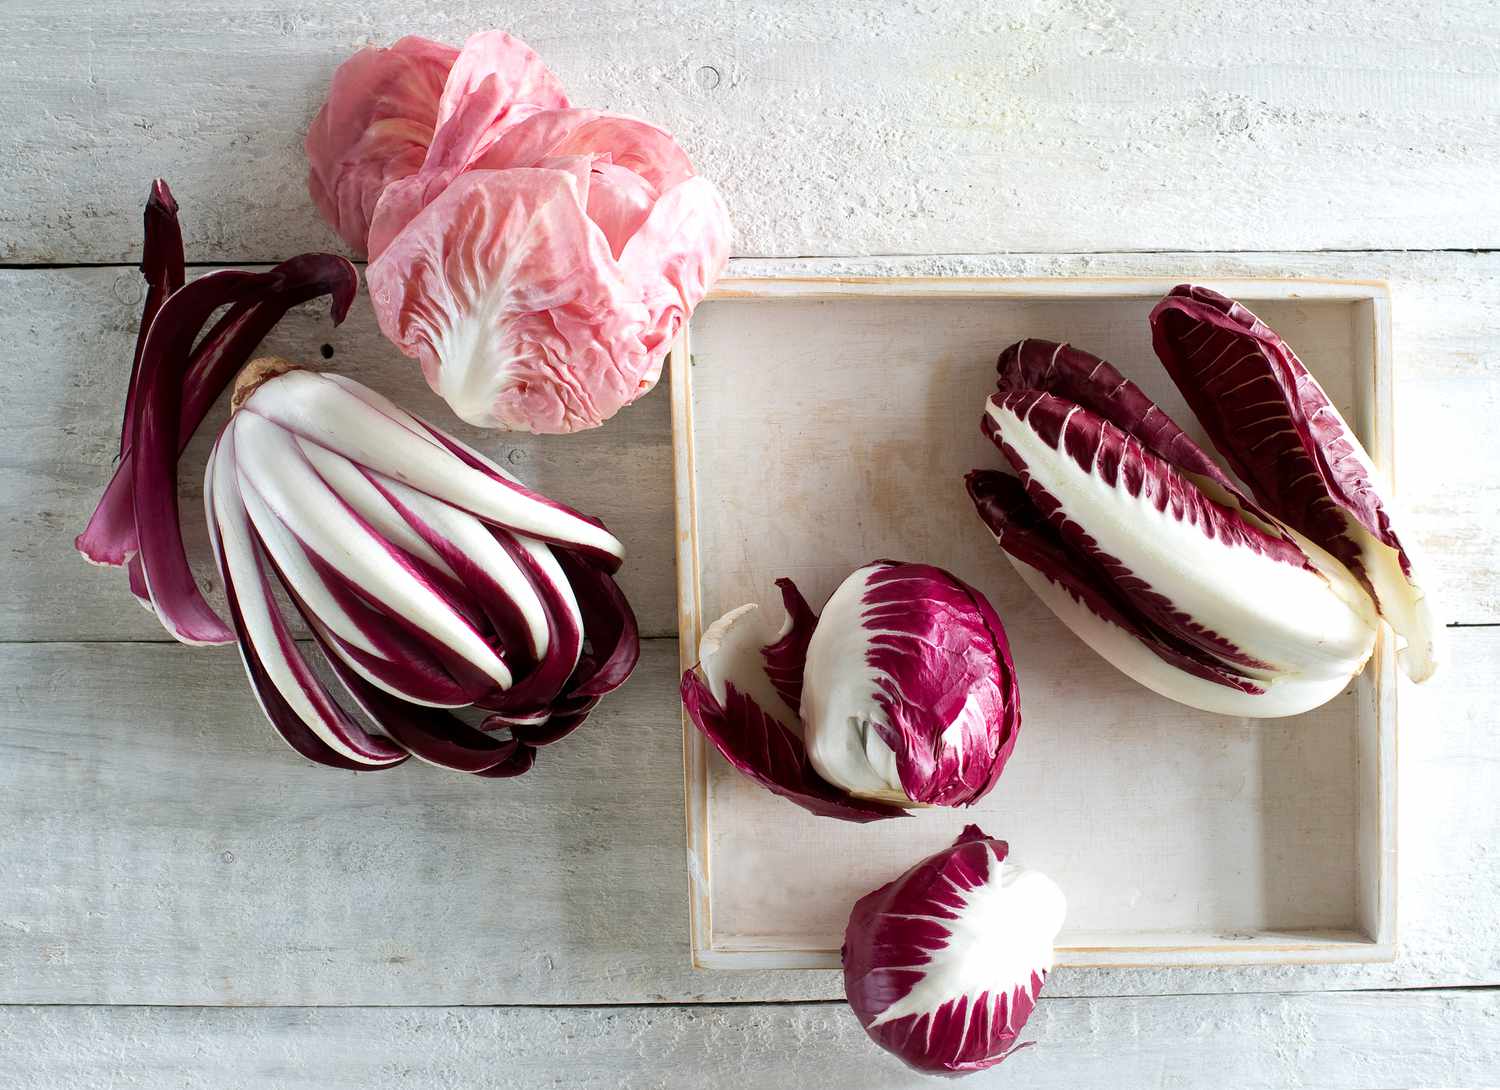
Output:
(161, 845)
(66, 338)
(1327, 1042)
(857, 127)
(1254, 821)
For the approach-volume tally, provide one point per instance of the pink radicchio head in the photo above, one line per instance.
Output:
(901, 694)
(942, 967)
(541, 260)
(1140, 543)
(1273, 423)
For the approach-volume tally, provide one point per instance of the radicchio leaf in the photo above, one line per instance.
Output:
(1282, 435)
(542, 260)
(374, 129)
(942, 966)
(901, 694)
(769, 753)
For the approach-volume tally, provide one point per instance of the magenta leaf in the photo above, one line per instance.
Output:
(762, 748)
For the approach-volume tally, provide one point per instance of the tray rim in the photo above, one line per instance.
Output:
(1194, 950)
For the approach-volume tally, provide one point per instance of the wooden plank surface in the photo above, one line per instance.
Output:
(858, 127)
(131, 769)
(66, 342)
(1328, 1042)
(161, 845)
(66, 338)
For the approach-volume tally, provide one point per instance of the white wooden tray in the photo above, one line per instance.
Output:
(821, 424)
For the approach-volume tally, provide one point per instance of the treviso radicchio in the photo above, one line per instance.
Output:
(942, 967)
(1155, 557)
(536, 259)
(901, 694)
(428, 578)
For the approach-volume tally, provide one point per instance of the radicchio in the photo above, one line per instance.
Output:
(901, 694)
(1155, 556)
(943, 966)
(1271, 420)
(1150, 552)
(539, 260)
(429, 578)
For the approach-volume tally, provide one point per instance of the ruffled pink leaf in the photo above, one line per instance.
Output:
(524, 313)
(374, 129)
(509, 298)
(519, 75)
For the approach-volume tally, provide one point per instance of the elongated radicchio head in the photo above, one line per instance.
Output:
(901, 694)
(1143, 546)
(942, 966)
(428, 577)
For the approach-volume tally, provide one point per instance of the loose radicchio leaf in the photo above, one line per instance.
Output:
(1152, 555)
(164, 266)
(787, 658)
(732, 699)
(166, 363)
(943, 966)
(770, 753)
(909, 694)
(1283, 436)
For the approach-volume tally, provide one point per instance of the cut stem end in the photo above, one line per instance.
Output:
(256, 374)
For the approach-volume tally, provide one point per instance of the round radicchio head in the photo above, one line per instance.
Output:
(909, 693)
(901, 694)
(942, 966)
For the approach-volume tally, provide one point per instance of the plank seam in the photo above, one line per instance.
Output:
(729, 1004)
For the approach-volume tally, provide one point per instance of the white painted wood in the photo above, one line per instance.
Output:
(1270, 841)
(857, 127)
(161, 845)
(128, 771)
(1356, 1041)
(66, 338)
